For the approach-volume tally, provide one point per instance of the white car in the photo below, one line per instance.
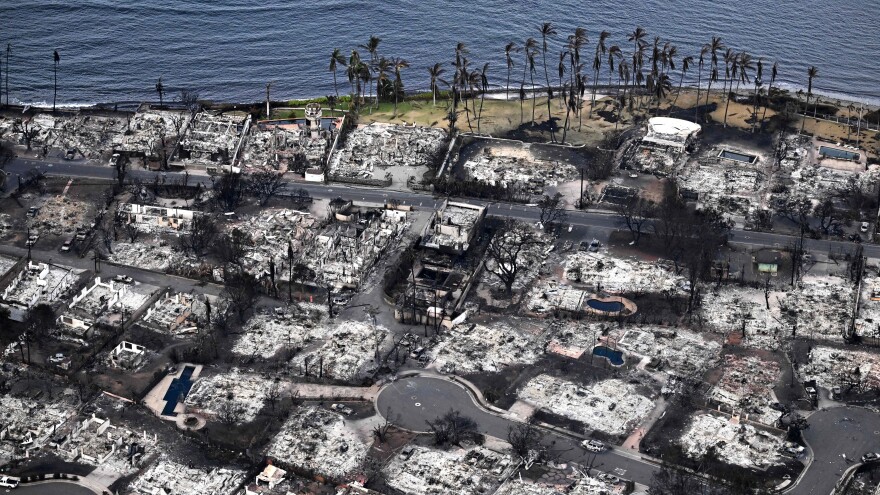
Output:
(593, 445)
(864, 227)
(8, 482)
(124, 279)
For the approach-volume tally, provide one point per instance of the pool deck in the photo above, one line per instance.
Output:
(155, 400)
(629, 307)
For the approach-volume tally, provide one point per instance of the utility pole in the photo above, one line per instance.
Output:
(97, 260)
(28, 242)
(580, 203)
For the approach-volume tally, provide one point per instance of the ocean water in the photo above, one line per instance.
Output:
(115, 51)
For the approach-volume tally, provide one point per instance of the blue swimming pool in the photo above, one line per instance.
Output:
(177, 390)
(606, 306)
(839, 153)
(739, 157)
(613, 357)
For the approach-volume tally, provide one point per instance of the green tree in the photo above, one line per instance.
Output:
(372, 47)
(399, 64)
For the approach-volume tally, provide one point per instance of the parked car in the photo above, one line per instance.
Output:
(594, 245)
(8, 482)
(66, 245)
(32, 240)
(864, 227)
(123, 279)
(593, 445)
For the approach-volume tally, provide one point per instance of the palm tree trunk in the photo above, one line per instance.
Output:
(755, 108)
(708, 92)
(534, 96)
(699, 83)
(434, 93)
(593, 97)
(767, 103)
(677, 93)
(335, 87)
(507, 88)
(547, 77)
(804, 116)
(55, 93)
(480, 114)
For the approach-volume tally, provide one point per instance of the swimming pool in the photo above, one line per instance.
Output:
(613, 357)
(738, 157)
(839, 154)
(179, 387)
(606, 306)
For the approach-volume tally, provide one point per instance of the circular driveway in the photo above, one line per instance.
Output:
(50, 488)
(839, 437)
(411, 402)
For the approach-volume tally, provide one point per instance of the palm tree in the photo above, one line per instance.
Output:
(812, 73)
(623, 71)
(597, 64)
(849, 109)
(773, 72)
(509, 50)
(637, 37)
(685, 67)
(372, 47)
(743, 64)
(614, 53)
(703, 51)
(331, 100)
(383, 68)
(399, 65)
(336, 59)
(561, 69)
(713, 47)
(435, 72)
(759, 80)
(529, 50)
(159, 89)
(659, 85)
(484, 85)
(547, 30)
(57, 59)
(353, 73)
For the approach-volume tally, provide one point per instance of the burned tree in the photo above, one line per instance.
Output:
(524, 439)
(452, 428)
(264, 184)
(131, 231)
(229, 191)
(507, 250)
(230, 248)
(635, 214)
(242, 291)
(552, 211)
(202, 232)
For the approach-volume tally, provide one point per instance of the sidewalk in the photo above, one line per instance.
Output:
(339, 392)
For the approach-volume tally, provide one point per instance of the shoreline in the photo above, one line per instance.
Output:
(830, 98)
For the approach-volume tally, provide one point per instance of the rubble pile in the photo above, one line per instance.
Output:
(747, 384)
(171, 478)
(611, 406)
(317, 440)
(343, 253)
(384, 145)
(150, 256)
(146, 129)
(272, 232)
(517, 168)
(39, 282)
(29, 423)
(737, 444)
(346, 352)
(619, 276)
(734, 189)
(517, 486)
(819, 306)
(212, 138)
(61, 215)
(687, 353)
(552, 295)
(477, 348)
(6, 264)
(649, 159)
(729, 310)
(814, 181)
(847, 369)
(573, 339)
(232, 394)
(89, 135)
(587, 485)
(96, 442)
(868, 320)
(268, 332)
(425, 471)
(279, 147)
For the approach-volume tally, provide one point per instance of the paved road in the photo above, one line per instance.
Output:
(833, 433)
(50, 488)
(412, 401)
(523, 212)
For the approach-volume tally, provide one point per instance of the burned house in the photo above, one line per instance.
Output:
(212, 139)
(28, 284)
(172, 313)
(109, 303)
(664, 145)
(149, 217)
(290, 144)
(452, 227)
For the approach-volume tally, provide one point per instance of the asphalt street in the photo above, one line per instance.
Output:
(410, 402)
(839, 437)
(50, 488)
(596, 219)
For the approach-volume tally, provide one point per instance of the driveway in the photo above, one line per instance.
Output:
(833, 434)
